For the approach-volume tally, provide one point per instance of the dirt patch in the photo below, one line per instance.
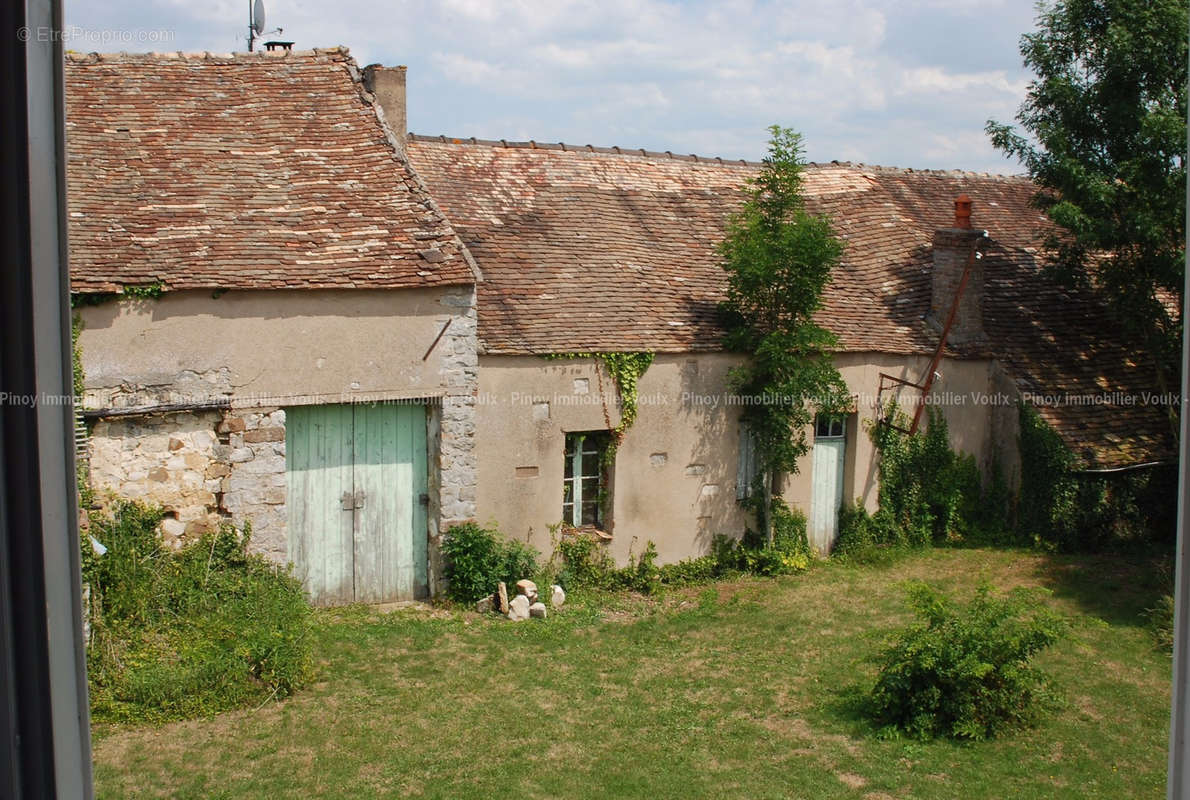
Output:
(852, 780)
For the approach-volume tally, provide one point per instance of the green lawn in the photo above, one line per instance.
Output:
(741, 689)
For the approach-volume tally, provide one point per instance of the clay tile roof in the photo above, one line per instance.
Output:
(264, 170)
(587, 249)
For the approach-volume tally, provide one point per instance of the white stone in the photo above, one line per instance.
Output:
(537, 610)
(518, 608)
(528, 588)
(557, 596)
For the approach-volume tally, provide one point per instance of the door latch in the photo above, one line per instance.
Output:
(350, 501)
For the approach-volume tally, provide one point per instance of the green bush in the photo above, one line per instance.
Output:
(189, 632)
(860, 532)
(478, 558)
(690, 571)
(587, 565)
(1064, 509)
(963, 671)
(1160, 621)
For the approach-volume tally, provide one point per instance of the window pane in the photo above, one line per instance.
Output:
(590, 465)
(822, 426)
(590, 514)
(590, 489)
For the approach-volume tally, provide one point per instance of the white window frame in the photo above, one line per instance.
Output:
(835, 426)
(587, 443)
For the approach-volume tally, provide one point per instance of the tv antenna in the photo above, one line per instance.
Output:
(256, 23)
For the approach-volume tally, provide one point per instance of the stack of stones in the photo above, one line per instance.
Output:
(526, 603)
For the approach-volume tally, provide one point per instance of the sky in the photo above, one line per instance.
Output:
(907, 83)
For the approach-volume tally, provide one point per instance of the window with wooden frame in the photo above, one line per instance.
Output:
(585, 486)
(747, 467)
(829, 426)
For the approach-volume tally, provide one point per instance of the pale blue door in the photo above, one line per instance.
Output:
(830, 449)
(356, 512)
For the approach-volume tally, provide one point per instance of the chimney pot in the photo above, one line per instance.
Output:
(962, 211)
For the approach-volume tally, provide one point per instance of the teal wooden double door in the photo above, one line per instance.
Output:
(356, 478)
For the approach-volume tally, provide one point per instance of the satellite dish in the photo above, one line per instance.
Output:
(258, 16)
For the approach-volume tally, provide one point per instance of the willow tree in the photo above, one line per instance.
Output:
(778, 257)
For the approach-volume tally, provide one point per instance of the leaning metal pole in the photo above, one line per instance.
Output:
(1178, 785)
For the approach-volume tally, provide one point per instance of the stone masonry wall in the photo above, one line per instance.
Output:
(454, 478)
(255, 488)
(173, 460)
(202, 467)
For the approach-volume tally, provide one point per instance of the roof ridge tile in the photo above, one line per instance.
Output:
(667, 155)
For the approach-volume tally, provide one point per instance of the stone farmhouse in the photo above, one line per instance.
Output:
(296, 315)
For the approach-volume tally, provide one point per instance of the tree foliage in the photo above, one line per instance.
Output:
(778, 258)
(1105, 139)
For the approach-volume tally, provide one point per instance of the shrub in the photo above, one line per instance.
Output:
(860, 532)
(789, 552)
(586, 564)
(1064, 509)
(478, 558)
(690, 571)
(1160, 621)
(963, 671)
(189, 632)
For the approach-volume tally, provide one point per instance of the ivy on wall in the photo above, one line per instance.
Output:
(625, 370)
(142, 291)
(1064, 508)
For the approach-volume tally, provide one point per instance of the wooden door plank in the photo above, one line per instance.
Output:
(420, 530)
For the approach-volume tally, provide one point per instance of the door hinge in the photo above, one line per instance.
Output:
(424, 499)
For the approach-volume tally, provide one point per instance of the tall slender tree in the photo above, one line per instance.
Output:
(778, 258)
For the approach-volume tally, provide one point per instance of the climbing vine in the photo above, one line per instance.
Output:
(625, 370)
(1062, 507)
(141, 291)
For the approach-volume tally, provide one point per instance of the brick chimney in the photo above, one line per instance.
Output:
(952, 249)
(388, 85)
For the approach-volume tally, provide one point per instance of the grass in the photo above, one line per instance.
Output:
(741, 688)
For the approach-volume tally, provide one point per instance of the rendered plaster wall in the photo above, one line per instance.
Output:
(675, 472)
(964, 391)
(261, 352)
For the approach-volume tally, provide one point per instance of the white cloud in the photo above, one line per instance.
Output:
(703, 76)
